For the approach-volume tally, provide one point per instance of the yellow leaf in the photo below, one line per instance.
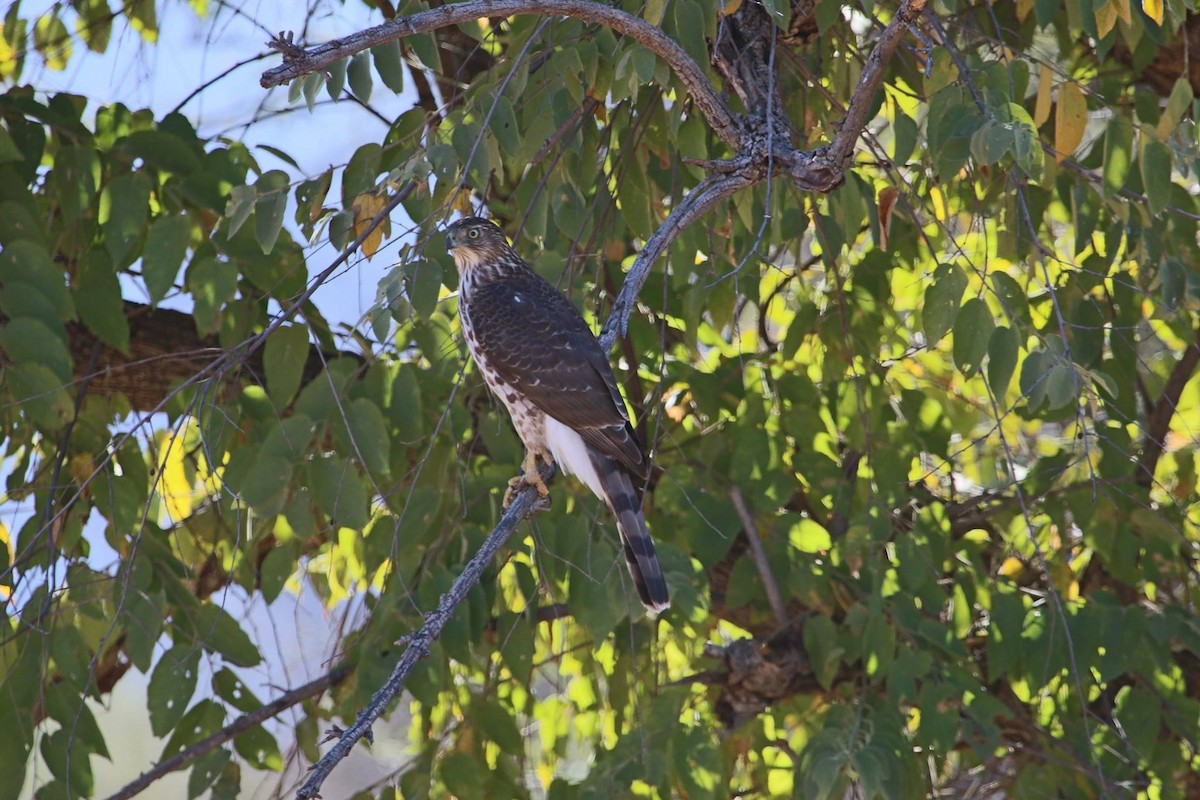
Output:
(728, 7)
(462, 203)
(939, 203)
(366, 207)
(1041, 110)
(1106, 18)
(1012, 568)
(1123, 10)
(1070, 120)
(173, 483)
(1023, 9)
(1153, 9)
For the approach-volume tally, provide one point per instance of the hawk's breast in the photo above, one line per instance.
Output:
(528, 419)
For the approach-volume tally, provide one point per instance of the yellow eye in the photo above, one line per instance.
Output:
(473, 233)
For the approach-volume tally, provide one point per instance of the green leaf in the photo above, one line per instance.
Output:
(389, 66)
(991, 142)
(32, 284)
(237, 210)
(41, 394)
(171, 687)
(205, 772)
(362, 433)
(26, 340)
(68, 760)
(220, 633)
(66, 707)
(8, 148)
(98, 298)
(284, 358)
(202, 720)
(166, 245)
(1003, 347)
(425, 46)
(212, 283)
(337, 78)
(276, 568)
(879, 645)
(1061, 384)
(359, 74)
(972, 331)
(52, 41)
(504, 125)
(941, 301)
(269, 208)
(689, 21)
(1156, 165)
(423, 282)
(808, 536)
(824, 653)
(462, 776)
(259, 748)
(339, 492)
(128, 210)
(1035, 370)
(143, 618)
(643, 61)
(1118, 155)
(498, 725)
(230, 688)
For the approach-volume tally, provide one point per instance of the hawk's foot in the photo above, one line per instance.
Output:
(529, 477)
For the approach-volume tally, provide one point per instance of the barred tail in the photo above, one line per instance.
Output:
(622, 498)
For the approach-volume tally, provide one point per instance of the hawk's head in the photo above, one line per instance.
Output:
(474, 241)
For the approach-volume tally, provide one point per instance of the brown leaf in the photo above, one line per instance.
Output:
(887, 203)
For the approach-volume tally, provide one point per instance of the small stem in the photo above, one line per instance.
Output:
(760, 556)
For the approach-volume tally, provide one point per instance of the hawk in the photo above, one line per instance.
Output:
(540, 358)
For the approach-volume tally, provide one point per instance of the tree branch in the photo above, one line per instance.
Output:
(698, 201)
(241, 724)
(526, 503)
(822, 169)
(1159, 422)
(759, 556)
(299, 61)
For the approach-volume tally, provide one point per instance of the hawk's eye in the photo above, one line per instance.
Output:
(473, 233)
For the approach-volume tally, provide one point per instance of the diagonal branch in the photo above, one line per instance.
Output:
(701, 199)
(299, 61)
(1159, 422)
(243, 723)
(524, 504)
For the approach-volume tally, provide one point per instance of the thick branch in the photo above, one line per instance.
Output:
(243, 723)
(524, 504)
(298, 61)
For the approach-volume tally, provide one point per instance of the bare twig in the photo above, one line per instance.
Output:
(759, 555)
(243, 723)
(524, 504)
(298, 62)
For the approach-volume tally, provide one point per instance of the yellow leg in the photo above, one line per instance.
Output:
(529, 477)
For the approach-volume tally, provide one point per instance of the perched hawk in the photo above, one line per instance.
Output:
(540, 358)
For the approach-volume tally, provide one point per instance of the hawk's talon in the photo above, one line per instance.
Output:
(530, 477)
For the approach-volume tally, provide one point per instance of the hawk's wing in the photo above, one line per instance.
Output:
(538, 343)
